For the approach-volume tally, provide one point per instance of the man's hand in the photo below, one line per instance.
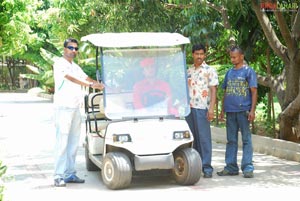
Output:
(97, 85)
(251, 116)
(210, 115)
(221, 116)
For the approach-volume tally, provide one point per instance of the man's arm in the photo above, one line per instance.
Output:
(90, 82)
(213, 99)
(251, 116)
(137, 93)
(222, 106)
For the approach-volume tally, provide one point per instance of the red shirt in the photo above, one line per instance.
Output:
(147, 93)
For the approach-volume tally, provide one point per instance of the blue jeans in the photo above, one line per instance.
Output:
(200, 127)
(234, 122)
(68, 129)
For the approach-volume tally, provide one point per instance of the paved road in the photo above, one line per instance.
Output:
(26, 147)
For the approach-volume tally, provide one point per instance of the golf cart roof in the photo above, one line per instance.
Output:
(136, 39)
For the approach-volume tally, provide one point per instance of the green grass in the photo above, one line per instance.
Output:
(264, 126)
(260, 108)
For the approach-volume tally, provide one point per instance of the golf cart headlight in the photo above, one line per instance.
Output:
(121, 138)
(181, 135)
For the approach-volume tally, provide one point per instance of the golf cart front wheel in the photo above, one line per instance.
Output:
(188, 166)
(117, 170)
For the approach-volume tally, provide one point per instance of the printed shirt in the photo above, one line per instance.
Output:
(237, 83)
(67, 94)
(200, 80)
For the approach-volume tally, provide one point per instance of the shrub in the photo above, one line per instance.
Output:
(2, 172)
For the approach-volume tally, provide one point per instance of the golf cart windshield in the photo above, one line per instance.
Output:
(145, 82)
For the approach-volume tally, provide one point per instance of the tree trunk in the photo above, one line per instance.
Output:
(9, 66)
(289, 117)
(289, 129)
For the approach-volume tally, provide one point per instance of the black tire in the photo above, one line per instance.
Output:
(116, 170)
(90, 165)
(188, 166)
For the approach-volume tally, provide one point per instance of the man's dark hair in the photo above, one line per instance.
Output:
(198, 47)
(70, 40)
(237, 49)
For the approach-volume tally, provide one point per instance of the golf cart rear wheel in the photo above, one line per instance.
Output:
(90, 165)
(116, 170)
(188, 166)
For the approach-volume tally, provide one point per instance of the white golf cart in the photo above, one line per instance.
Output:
(124, 138)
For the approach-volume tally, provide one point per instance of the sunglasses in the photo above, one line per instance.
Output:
(72, 48)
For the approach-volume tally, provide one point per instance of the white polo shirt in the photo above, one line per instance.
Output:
(67, 93)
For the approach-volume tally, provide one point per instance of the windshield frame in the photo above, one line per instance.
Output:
(115, 95)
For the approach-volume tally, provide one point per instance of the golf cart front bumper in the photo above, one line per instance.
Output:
(149, 162)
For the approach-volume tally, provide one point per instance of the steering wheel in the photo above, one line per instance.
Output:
(152, 97)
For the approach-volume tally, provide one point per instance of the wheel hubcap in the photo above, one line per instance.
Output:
(179, 166)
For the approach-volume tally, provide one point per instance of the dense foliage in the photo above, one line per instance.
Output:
(32, 29)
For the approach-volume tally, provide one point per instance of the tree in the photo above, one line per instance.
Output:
(42, 71)
(281, 34)
(285, 43)
(20, 37)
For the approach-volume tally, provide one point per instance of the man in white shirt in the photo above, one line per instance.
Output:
(68, 78)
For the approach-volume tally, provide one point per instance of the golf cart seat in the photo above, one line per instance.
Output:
(94, 105)
(94, 110)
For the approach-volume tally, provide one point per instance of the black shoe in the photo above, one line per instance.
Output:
(59, 182)
(227, 173)
(248, 175)
(207, 175)
(74, 179)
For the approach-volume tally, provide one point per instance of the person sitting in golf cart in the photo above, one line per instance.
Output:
(151, 92)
